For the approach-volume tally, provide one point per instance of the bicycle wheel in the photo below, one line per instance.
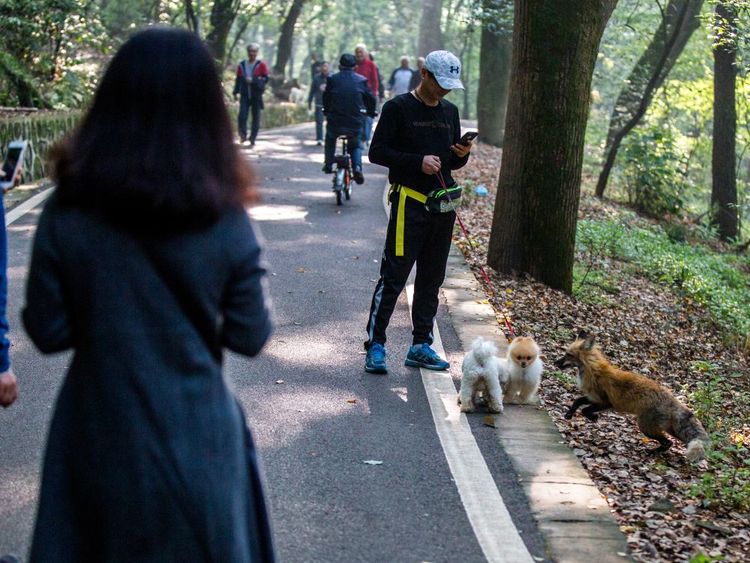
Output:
(348, 185)
(338, 184)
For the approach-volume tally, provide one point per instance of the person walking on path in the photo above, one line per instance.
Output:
(8, 384)
(400, 78)
(316, 95)
(346, 103)
(367, 68)
(417, 140)
(252, 77)
(145, 264)
(416, 78)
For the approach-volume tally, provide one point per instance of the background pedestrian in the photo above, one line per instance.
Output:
(252, 77)
(317, 88)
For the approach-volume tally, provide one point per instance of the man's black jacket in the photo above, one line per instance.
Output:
(347, 100)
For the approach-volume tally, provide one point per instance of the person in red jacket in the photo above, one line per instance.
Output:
(252, 76)
(369, 70)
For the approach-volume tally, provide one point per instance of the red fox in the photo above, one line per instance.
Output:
(606, 386)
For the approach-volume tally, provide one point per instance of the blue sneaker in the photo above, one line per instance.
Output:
(422, 356)
(375, 359)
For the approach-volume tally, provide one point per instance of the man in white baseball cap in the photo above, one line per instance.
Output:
(417, 138)
(446, 68)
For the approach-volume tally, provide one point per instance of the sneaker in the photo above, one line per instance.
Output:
(319, 143)
(328, 168)
(358, 176)
(422, 356)
(375, 359)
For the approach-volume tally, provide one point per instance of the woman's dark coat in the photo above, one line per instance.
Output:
(148, 455)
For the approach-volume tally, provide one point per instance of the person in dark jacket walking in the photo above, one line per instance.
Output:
(317, 88)
(346, 103)
(417, 139)
(252, 77)
(146, 265)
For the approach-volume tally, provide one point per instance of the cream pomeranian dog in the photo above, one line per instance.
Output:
(524, 368)
(483, 374)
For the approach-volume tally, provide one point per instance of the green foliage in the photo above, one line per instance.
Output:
(650, 171)
(45, 45)
(726, 483)
(703, 558)
(718, 282)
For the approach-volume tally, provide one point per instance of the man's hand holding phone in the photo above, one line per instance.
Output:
(464, 144)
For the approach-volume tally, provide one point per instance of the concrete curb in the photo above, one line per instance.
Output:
(573, 517)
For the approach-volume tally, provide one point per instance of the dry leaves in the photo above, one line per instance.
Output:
(645, 328)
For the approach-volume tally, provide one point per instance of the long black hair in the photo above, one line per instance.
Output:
(155, 149)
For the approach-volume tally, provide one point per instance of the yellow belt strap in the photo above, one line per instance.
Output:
(404, 192)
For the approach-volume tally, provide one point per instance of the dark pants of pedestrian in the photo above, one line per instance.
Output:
(319, 120)
(248, 105)
(426, 241)
(355, 148)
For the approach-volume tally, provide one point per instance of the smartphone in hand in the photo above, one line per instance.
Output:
(12, 163)
(467, 138)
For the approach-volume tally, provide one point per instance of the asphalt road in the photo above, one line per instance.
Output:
(316, 415)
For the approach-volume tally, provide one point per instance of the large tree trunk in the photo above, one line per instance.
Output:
(286, 39)
(555, 45)
(723, 162)
(494, 78)
(430, 34)
(679, 21)
(223, 14)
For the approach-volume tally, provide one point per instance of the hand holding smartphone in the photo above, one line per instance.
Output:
(13, 161)
(467, 138)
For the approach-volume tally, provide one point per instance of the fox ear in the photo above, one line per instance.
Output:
(588, 342)
(583, 335)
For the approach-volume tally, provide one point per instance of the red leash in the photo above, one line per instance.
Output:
(487, 279)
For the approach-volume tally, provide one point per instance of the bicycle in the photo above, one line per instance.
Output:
(344, 171)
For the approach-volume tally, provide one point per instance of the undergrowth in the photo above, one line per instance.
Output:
(716, 281)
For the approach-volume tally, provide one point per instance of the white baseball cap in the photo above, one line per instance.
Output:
(446, 68)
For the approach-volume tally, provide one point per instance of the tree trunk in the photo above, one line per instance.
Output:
(430, 35)
(466, 56)
(723, 161)
(223, 14)
(494, 80)
(679, 21)
(555, 45)
(286, 38)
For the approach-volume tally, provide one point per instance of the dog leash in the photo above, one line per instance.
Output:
(511, 334)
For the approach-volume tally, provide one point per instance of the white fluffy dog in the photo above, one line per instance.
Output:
(524, 368)
(483, 373)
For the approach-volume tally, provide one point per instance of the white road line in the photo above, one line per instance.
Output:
(17, 212)
(487, 513)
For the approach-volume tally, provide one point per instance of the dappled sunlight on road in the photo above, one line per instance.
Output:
(327, 194)
(272, 212)
(303, 407)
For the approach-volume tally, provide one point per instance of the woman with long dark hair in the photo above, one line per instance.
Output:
(146, 265)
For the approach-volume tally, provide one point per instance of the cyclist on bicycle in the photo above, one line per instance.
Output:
(346, 102)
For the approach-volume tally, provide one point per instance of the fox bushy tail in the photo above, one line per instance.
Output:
(690, 430)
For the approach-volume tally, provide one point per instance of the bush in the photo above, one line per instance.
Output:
(650, 172)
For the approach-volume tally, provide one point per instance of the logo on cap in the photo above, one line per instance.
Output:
(455, 69)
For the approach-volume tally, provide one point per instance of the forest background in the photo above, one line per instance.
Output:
(621, 205)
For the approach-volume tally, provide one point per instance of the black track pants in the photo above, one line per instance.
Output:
(426, 241)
